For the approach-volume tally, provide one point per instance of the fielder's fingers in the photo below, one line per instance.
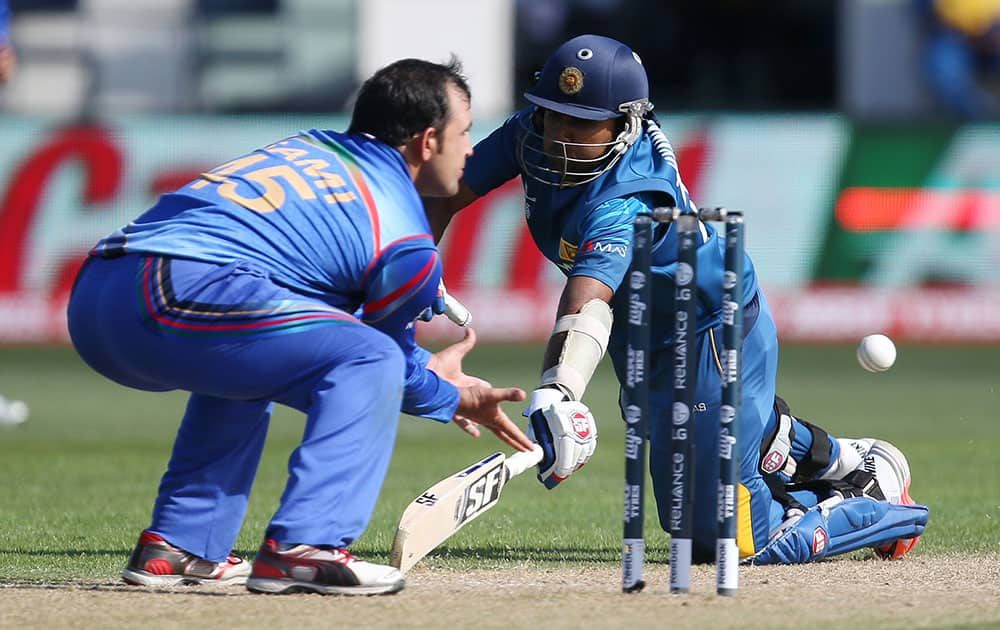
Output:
(467, 425)
(511, 433)
(511, 394)
(509, 439)
(467, 343)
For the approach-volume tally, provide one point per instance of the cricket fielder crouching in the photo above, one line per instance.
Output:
(591, 156)
(292, 274)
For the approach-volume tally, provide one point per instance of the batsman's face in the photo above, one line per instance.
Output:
(441, 174)
(579, 140)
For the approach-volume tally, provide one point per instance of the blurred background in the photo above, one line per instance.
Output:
(859, 137)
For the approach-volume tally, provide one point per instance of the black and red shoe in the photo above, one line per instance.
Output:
(155, 562)
(284, 568)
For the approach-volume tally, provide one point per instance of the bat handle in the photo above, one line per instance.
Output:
(522, 461)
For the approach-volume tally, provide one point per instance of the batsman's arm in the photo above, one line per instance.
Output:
(583, 319)
(563, 426)
(578, 342)
(569, 369)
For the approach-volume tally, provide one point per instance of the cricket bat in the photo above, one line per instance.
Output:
(448, 505)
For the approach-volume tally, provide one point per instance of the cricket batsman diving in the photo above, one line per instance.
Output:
(293, 275)
(591, 156)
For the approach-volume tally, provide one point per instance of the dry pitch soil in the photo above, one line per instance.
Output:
(848, 593)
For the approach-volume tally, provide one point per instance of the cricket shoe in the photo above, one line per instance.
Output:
(282, 568)
(889, 467)
(892, 471)
(155, 562)
(853, 454)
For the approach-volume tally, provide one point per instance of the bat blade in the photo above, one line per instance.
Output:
(451, 503)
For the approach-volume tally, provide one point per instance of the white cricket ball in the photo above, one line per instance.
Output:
(13, 412)
(876, 353)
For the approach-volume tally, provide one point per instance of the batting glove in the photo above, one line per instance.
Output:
(567, 433)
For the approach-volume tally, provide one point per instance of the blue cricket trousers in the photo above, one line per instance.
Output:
(239, 342)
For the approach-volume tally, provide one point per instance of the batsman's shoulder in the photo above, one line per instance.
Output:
(618, 211)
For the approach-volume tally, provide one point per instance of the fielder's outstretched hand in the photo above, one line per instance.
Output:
(469, 426)
(479, 402)
(447, 362)
(448, 365)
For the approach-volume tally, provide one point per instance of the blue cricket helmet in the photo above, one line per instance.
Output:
(591, 77)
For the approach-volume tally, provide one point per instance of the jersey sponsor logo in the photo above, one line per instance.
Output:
(571, 80)
(820, 540)
(483, 493)
(580, 424)
(621, 249)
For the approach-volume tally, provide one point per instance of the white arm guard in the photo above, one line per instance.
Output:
(587, 335)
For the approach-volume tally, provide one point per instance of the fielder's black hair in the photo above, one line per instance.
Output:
(405, 98)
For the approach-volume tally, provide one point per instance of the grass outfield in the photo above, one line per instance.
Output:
(77, 481)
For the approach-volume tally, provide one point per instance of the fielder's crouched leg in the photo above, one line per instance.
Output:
(352, 411)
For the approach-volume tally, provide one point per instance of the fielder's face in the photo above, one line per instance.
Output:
(439, 176)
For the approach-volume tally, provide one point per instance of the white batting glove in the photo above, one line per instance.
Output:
(567, 433)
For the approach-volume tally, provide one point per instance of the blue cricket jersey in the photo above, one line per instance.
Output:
(329, 215)
(587, 230)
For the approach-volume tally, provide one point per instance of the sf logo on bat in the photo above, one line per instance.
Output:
(427, 498)
(481, 494)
